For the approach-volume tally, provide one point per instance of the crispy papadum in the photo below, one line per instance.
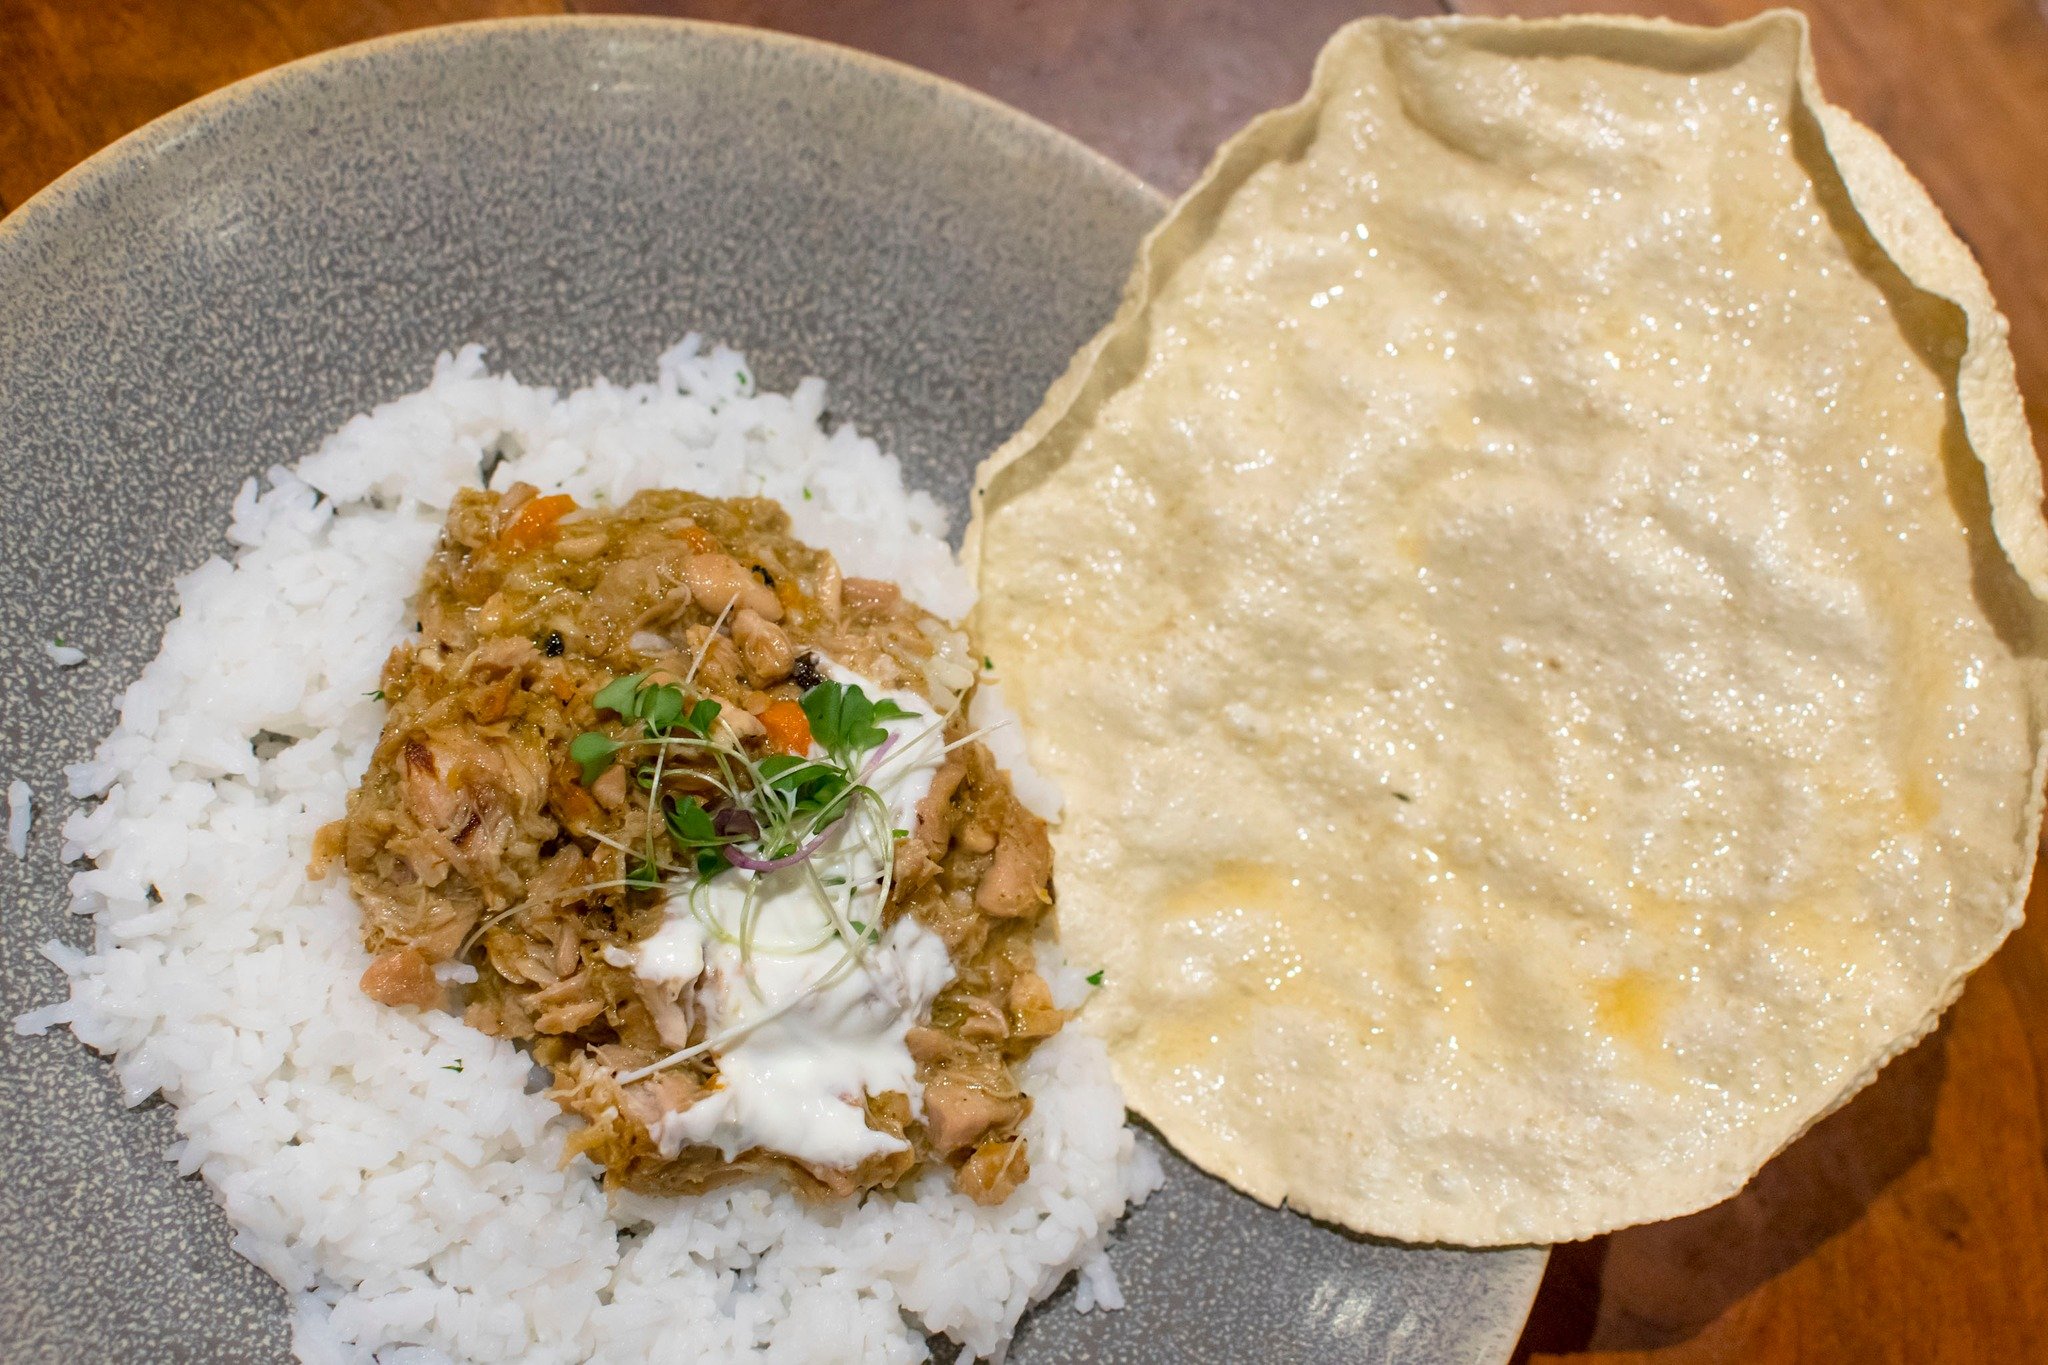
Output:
(1534, 605)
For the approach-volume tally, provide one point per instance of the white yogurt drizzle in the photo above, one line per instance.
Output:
(796, 1081)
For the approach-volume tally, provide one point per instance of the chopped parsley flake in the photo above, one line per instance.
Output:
(1095, 977)
(770, 810)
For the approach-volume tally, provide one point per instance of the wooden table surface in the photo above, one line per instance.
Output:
(1911, 1226)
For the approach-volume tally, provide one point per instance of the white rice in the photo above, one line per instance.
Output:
(987, 710)
(63, 655)
(388, 1167)
(21, 813)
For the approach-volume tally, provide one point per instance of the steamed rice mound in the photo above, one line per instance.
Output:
(390, 1168)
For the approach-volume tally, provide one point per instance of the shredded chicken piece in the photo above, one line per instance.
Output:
(958, 1114)
(474, 837)
(994, 1171)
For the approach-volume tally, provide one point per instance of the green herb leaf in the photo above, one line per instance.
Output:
(594, 751)
(987, 662)
(900, 833)
(807, 498)
(617, 695)
(843, 719)
(643, 875)
(804, 786)
(455, 1066)
(661, 707)
(835, 711)
(1095, 977)
(698, 721)
(378, 695)
(690, 825)
(711, 862)
(788, 773)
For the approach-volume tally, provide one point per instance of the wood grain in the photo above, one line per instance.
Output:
(1912, 1225)
(75, 76)
(1153, 84)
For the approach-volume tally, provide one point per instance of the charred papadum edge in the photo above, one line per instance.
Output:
(1901, 218)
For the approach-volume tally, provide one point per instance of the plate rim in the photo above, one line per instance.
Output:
(188, 117)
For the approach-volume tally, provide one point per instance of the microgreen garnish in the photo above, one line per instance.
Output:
(987, 662)
(617, 695)
(713, 806)
(594, 752)
(803, 786)
(844, 722)
(378, 695)
(660, 707)
(1095, 977)
(691, 826)
(657, 706)
(455, 1066)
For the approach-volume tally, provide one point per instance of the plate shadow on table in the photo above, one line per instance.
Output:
(1660, 1284)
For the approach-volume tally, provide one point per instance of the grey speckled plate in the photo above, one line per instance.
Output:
(216, 292)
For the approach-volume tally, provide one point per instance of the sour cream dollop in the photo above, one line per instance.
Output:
(797, 1082)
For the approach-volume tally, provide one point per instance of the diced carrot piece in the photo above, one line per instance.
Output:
(534, 523)
(789, 729)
